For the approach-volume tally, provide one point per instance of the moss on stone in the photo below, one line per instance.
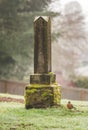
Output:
(39, 96)
(31, 91)
(37, 85)
(46, 94)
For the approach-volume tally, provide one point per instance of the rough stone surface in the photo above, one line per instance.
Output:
(43, 91)
(42, 96)
(42, 78)
(42, 45)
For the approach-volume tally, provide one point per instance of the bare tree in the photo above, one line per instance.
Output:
(71, 39)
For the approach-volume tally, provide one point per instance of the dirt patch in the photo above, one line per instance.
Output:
(9, 99)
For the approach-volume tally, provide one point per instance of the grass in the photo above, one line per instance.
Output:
(14, 115)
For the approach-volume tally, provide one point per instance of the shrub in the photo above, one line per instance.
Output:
(81, 82)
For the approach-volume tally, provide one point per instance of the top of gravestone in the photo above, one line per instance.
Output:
(46, 18)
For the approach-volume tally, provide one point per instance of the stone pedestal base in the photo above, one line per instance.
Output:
(42, 78)
(42, 96)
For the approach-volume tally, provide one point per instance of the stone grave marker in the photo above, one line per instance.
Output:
(43, 91)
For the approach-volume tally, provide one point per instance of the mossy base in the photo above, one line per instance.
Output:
(42, 96)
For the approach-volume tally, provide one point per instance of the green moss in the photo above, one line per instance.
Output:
(57, 93)
(31, 91)
(37, 86)
(38, 95)
(47, 94)
(51, 73)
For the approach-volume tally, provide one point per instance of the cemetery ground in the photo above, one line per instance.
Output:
(14, 115)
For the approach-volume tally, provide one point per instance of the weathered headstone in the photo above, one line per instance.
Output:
(43, 90)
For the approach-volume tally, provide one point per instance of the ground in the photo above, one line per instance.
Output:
(13, 115)
(4, 98)
(10, 98)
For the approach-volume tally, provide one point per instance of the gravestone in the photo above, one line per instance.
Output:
(43, 91)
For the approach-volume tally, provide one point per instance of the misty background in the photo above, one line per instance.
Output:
(69, 38)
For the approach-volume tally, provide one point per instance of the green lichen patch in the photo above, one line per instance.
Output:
(36, 86)
(42, 96)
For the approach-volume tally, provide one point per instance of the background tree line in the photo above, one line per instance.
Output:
(16, 37)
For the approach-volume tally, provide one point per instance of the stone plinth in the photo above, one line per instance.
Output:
(42, 96)
(42, 79)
